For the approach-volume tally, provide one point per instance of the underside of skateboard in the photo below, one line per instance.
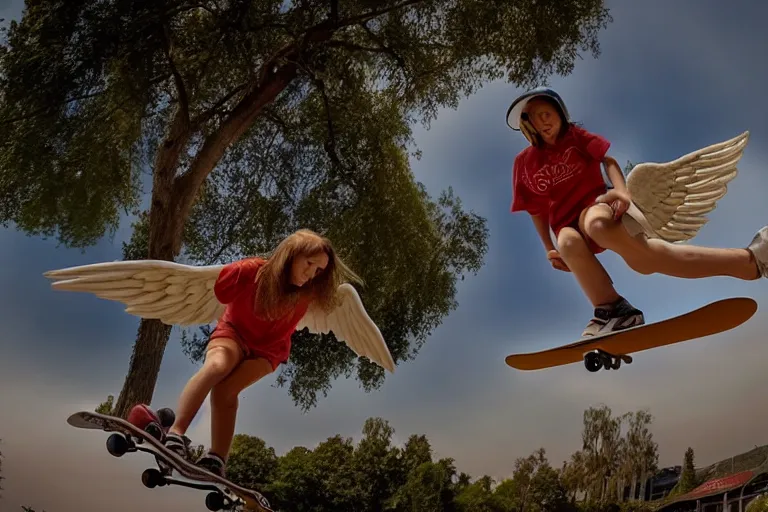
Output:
(598, 359)
(121, 442)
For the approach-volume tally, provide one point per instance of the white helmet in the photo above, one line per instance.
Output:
(517, 119)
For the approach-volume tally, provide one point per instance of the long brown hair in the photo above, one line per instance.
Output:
(275, 295)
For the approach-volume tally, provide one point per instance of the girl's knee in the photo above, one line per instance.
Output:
(221, 359)
(598, 222)
(570, 243)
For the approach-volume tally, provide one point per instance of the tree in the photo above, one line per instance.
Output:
(687, 481)
(378, 464)
(479, 497)
(535, 486)
(647, 450)
(251, 463)
(428, 487)
(106, 407)
(601, 444)
(94, 94)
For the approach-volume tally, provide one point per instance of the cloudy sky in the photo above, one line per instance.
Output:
(672, 77)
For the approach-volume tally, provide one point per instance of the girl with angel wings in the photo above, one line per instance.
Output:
(558, 181)
(259, 303)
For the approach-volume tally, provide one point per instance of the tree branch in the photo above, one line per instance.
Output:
(330, 144)
(372, 49)
(168, 48)
(208, 114)
(400, 60)
(49, 108)
(362, 18)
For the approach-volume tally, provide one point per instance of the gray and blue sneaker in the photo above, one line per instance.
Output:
(616, 316)
(178, 445)
(213, 463)
(759, 249)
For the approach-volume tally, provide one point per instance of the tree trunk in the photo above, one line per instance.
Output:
(643, 478)
(164, 244)
(139, 385)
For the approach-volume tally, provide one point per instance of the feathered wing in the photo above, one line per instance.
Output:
(350, 323)
(676, 196)
(173, 293)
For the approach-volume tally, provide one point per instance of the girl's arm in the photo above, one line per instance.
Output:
(542, 228)
(615, 174)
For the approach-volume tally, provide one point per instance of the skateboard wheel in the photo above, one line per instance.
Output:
(117, 445)
(627, 359)
(152, 478)
(155, 431)
(167, 417)
(214, 501)
(592, 361)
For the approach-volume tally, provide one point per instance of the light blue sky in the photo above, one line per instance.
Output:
(672, 78)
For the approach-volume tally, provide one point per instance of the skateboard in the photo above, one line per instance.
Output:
(127, 438)
(608, 351)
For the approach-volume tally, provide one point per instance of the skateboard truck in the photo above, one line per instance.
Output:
(118, 444)
(596, 359)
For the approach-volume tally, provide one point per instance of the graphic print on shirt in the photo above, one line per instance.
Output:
(560, 168)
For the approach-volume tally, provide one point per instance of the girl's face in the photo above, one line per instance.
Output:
(306, 267)
(545, 119)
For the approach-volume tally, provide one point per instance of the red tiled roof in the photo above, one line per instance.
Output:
(717, 486)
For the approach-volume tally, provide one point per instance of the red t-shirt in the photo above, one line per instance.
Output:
(236, 287)
(561, 180)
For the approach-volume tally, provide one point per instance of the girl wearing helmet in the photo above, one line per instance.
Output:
(558, 181)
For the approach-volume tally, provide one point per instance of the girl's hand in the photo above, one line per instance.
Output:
(617, 200)
(557, 262)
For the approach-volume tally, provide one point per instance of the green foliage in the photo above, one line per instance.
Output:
(107, 406)
(637, 506)
(759, 504)
(374, 474)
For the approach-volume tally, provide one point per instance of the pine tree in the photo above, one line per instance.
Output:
(687, 480)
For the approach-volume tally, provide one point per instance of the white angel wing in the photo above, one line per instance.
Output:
(351, 324)
(174, 293)
(676, 196)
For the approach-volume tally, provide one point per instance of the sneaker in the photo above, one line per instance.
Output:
(759, 249)
(613, 317)
(178, 444)
(212, 463)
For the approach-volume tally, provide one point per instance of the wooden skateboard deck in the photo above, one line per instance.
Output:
(609, 350)
(129, 438)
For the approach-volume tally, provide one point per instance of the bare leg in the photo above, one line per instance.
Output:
(224, 402)
(589, 272)
(221, 358)
(657, 256)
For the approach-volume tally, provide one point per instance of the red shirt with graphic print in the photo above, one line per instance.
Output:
(258, 337)
(560, 180)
